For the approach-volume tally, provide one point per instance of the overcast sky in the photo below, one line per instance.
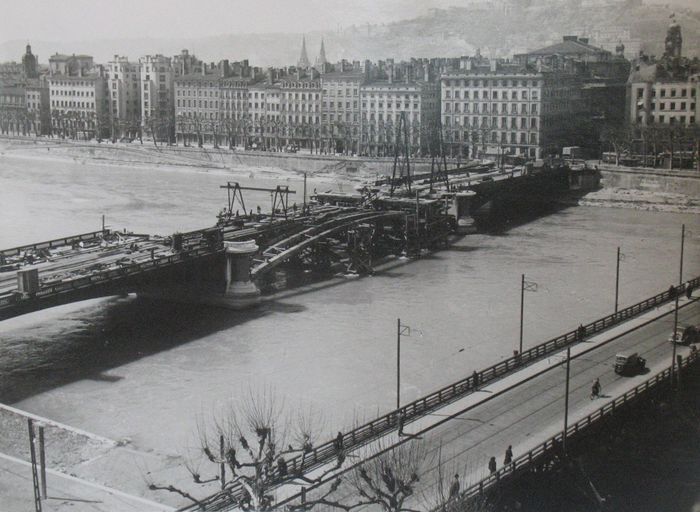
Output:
(68, 20)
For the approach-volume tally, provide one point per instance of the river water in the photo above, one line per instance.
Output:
(127, 367)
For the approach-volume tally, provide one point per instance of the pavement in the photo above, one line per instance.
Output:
(64, 492)
(525, 408)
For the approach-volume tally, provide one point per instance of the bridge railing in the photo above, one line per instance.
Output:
(58, 242)
(378, 427)
(384, 424)
(553, 445)
(112, 275)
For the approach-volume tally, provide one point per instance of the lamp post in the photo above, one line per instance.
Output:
(566, 398)
(675, 311)
(525, 286)
(617, 279)
(522, 310)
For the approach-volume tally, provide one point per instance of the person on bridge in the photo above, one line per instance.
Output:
(492, 465)
(338, 443)
(581, 332)
(475, 380)
(595, 389)
(454, 488)
(509, 455)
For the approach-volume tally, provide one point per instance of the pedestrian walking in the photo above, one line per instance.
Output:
(475, 380)
(339, 442)
(595, 389)
(454, 488)
(509, 455)
(492, 465)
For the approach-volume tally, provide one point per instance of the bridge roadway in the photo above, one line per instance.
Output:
(440, 402)
(523, 410)
(93, 260)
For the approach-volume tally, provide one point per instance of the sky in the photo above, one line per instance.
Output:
(72, 20)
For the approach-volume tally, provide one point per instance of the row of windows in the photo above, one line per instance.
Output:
(59, 83)
(494, 108)
(668, 93)
(671, 119)
(73, 104)
(446, 82)
(504, 123)
(72, 92)
(493, 94)
(672, 106)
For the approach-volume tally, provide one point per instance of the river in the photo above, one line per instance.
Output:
(143, 370)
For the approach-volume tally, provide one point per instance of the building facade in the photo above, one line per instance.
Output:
(157, 96)
(341, 111)
(77, 105)
(37, 104)
(506, 109)
(124, 97)
(383, 104)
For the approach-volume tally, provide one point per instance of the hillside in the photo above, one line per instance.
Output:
(499, 28)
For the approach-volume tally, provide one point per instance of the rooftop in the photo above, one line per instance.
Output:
(571, 45)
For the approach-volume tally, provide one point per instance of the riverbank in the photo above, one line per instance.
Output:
(632, 188)
(135, 153)
(646, 189)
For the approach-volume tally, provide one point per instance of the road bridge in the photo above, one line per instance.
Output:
(222, 265)
(517, 402)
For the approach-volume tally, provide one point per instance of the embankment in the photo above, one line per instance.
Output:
(646, 189)
(136, 153)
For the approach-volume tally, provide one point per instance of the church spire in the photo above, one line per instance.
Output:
(303, 58)
(321, 60)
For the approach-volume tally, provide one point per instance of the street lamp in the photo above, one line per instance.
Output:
(405, 331)
(566, 398)
(675, 312)
(525, 286)
(620, 257)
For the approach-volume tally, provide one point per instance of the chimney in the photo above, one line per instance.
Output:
(426, 72)
(493, 64)
(390, 72)
(469, 65)
(270, 77)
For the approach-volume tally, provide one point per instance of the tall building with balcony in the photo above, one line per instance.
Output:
(300, 110)
(124, 96)
(340, 110)
(385, 101)
(197, 107)
(157, 96)
(78, 106)
(500, 108)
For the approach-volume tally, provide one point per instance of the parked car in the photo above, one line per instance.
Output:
(685, 335)
(629, 364)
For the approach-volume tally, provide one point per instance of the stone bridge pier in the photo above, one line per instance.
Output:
(240, 291)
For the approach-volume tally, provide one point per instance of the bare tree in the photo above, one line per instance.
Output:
(252, 447)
